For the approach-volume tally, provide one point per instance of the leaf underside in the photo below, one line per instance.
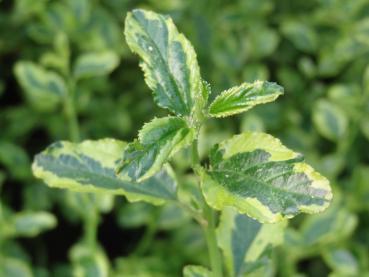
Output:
(256, 174)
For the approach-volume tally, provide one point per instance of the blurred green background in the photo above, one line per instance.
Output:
(318, 50)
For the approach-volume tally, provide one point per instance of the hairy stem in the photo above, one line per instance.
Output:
(209, 228)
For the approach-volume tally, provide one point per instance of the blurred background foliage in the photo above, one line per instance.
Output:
(318, 50)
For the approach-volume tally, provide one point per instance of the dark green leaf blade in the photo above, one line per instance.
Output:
(90, 167)
(262, 178)
(242, 98)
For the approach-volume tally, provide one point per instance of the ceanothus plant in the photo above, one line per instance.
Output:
(251, 184)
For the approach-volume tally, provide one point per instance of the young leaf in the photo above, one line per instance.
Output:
(196, 271)
(95, 64)
(262, 178)
(244, 240)
(242, 98)
(43, 88)
(90, 167)
(157, 141)
(168, 61)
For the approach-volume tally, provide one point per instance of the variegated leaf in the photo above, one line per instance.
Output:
(157, 141)
(95, 64)
(262, 178)
(90, 167)
(242, 98)
(330, 120)
(44, 89)
(245, 240)
(168, 60)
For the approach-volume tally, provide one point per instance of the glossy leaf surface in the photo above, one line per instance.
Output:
(262, 178)
(157, 141)
(168, 61)
(90, 167)
(242, 98)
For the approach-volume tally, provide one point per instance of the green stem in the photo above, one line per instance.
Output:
(211, 239)
(209, 228)
(195, 154)
(90, 232)
(71, 113)
(149, 234)
(91, 219)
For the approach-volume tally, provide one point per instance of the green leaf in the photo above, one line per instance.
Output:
(244, 97)
(196, 271)
(364, 126)
(87, 262)
(11, 267)
(333, 226)
(262, 178)
(301, 35)
(342, 261)
(157, 141)
(15, 159)
(244, 240)
(168, 61)
(95, 64)
(135, 215)
(58, 59)
(90, 167)
(330, 121)
(44, 89)
(261, 41)
(31, 224)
